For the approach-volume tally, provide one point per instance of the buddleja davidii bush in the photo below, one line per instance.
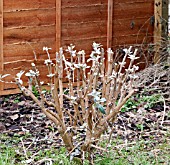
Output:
(101, 90)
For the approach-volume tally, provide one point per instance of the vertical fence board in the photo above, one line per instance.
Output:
(58, 24)
(1, 43)
(165, 18)
(157, 28)
(110, 23)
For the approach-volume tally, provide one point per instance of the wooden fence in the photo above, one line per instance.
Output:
(26, 26)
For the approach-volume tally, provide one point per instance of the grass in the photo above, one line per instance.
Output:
(139, 153)
(7, 155)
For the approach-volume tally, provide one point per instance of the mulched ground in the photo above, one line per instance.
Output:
(20, 116)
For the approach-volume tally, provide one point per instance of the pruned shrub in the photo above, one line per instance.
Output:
(97, 89)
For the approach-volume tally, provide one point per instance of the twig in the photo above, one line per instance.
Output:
(44, 160)
(24, 149)
(99, 148)
(74, 148)
(164, 112)
(31, 144)
(126, 141)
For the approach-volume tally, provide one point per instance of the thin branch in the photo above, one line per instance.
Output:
(99, 148)
(164, 112)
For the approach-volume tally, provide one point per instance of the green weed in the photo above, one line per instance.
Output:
(145, 101)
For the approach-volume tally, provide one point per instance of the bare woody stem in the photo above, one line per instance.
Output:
(53, 117)
(101, 127)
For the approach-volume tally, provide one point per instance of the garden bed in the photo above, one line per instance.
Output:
(144, 122)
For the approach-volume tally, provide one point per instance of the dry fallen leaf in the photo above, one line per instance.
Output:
(14, 117)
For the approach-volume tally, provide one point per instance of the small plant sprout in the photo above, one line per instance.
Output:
(100, 92)
(71, 50)
(46, 49)
(18, 77)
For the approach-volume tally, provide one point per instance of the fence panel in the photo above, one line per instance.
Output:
(27, 26)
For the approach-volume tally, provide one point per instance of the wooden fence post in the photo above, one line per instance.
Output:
(161, 26)
(1, 44)
(58, 25)
(110, 24)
